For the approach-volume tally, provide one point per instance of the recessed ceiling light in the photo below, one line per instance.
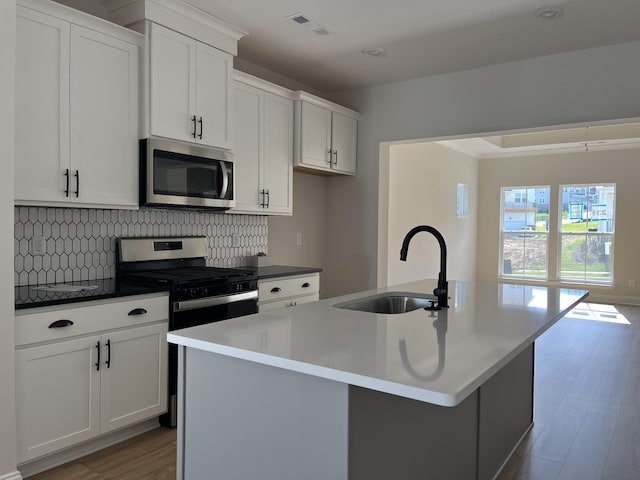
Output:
(373, 52)
(549, 13)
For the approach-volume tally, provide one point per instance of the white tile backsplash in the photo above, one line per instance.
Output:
(80, 243)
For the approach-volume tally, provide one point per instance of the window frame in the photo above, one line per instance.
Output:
(587, 188)
(503, 233)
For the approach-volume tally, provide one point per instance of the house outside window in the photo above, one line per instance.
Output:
(587, 233)
(524, 232)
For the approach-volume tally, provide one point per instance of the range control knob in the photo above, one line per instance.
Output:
(192, 293)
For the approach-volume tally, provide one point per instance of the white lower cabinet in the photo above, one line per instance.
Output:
(282, 292)
(70, 389)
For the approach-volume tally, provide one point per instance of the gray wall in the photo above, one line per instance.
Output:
(574, 87)
(7, 124)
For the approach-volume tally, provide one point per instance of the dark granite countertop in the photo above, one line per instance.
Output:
(31, 296)
(275, 271)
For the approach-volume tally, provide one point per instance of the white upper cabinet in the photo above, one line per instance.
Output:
(263, 124)
(190, 89)
(76, 109)
(326, 136)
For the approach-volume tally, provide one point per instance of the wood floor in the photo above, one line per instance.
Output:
(150, 456)
(586, 413)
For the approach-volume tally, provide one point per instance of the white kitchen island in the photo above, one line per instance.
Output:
(319, 392)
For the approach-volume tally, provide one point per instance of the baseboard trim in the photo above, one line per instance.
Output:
(612, 299)
(11, 476)
(39, 465)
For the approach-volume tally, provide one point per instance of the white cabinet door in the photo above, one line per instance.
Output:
(57, 396)
(214, 96)
(42, 106)
(172, 80)
(248, 106)
(190, 89)
(344, 134)
(277, 176)
(315, 136)
(134, 375)
(263, 124)
(104, 119)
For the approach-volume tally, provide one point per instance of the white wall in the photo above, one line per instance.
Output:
(621, 167)
(309, 219)
(7, 344)
(574, 87)
(422, 192)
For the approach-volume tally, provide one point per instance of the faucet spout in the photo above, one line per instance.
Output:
(442, 290)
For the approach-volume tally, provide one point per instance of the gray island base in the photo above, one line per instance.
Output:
(319, 393)
(244, 420)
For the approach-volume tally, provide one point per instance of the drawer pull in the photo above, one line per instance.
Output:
(276, 290)
(306, 285)
(61, 323)
(137, 311)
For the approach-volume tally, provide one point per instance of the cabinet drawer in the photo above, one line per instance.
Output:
(289, 302)
(287, 287)
(85, 318)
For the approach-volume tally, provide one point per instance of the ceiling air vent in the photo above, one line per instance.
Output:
(302, 19)
(298, 18)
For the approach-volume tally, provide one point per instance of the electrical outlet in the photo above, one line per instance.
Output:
(37, 245)
(632, 284)
(235, 240)
(299, 239)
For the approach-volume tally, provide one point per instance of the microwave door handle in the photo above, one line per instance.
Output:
(225, 180)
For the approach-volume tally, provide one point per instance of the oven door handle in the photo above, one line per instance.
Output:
(213, 301)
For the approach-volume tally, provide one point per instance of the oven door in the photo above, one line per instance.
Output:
(187, 175)
(190, 313)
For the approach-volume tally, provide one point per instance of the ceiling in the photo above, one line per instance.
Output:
(568, 140)
(419, 37)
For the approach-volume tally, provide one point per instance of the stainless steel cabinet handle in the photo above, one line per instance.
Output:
(268, 198)
(201, 125)
(330, 161)
(193, 119)
(61, 323)
(263, 203)
(335, 154)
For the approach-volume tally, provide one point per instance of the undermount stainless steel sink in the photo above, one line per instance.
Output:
(389, 302)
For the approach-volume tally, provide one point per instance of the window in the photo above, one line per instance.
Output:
(524, 232)
(462, 207)
(586, 233)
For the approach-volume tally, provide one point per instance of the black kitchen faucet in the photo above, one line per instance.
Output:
(442, 290)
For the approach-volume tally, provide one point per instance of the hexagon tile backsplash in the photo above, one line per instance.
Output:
(80, 244)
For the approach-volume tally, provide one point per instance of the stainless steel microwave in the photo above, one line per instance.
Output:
(179, 174)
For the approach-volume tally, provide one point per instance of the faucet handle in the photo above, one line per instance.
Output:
(432, 306)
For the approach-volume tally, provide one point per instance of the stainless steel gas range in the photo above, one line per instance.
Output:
(198, 294)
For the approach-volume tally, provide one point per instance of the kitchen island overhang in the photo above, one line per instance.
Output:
(361, 371)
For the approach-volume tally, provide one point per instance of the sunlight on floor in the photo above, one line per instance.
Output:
(598, 312)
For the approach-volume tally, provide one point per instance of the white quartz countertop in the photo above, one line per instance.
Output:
(436, 357)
